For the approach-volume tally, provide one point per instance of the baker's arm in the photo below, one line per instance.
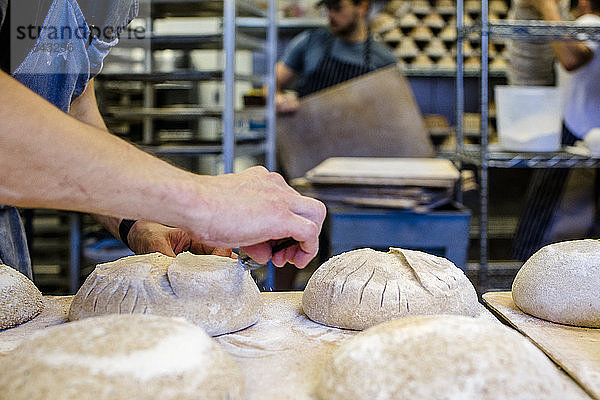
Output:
(284, 76)
(145, 236)
(51, 160)
(572, 54)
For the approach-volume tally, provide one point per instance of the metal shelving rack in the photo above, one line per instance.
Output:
(229, 41)
(480, 155)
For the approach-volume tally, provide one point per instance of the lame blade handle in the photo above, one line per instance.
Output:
(283, 244)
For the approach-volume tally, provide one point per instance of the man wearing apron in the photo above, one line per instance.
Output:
(61, 71)
(327, 57)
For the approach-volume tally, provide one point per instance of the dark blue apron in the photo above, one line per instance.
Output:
(58, 69)
(332, 71)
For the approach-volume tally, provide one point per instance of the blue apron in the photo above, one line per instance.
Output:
(58, 68)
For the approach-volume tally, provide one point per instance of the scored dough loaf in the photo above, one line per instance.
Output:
(364, 287)
(447, 357)
(561, 283)
(213, 292)
(20, 300)
(137, 357)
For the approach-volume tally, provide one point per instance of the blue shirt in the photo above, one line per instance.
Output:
(306, 50)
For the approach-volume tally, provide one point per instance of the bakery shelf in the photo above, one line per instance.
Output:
(435, 72)
(248, 148)
(286, 26)
(180, 75)
(179, 112)
(203, 8)
(506, 159)
(540, 30)
(196, 42)
(535, 30)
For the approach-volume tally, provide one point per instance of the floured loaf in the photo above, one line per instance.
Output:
(561, 283)
(364, 287)
(213, 292)
(20, 300)
(137, 357)
(440, 357)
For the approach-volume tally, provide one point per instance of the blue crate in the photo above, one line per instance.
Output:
(443, 232)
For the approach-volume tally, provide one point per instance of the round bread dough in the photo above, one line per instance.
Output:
(561, 283)
(120, 357)
(440, 357)
(20, 300)
(364, 287)
(213, 292)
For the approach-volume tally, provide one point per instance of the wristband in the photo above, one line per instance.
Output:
(124, 228)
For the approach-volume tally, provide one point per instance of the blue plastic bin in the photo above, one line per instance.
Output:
(443, 232)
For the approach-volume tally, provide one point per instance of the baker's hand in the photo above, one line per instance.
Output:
(148, 237)
(256, 207)
(286, 103)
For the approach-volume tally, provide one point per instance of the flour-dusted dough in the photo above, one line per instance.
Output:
(213, 292)
(20, 300)
(137, 357)
(561, 283)
(440, 357)
(364, 287)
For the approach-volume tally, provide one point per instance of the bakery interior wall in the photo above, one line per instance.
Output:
(431, 76)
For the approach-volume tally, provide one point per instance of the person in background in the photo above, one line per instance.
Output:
(321, 58)
(55, 152)
(579, 81)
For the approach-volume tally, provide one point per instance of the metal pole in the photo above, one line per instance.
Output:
(484, 144)
(228, 79)
(460, 97)
(270, 158)
(75, 253)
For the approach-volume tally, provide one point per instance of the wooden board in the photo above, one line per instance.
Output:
(430, 172)
(576, 350)
(374, 115)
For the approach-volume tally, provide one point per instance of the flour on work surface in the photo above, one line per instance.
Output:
(441, 357)
(213, 292)
(283, 352)
(118, 357)
(54, 312)
(20, 299)
(561, 283)
(364, 287)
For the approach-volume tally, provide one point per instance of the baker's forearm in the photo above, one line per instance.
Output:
(571, 54)
(51, 160)
(85, 109)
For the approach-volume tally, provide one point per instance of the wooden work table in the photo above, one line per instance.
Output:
(281, 356)
(575, 349)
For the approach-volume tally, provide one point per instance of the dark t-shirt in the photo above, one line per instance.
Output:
(4, 38)
(305, 51)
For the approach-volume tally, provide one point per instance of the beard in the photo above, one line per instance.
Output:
(345, 30)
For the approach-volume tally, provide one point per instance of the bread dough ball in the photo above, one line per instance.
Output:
(20, 300)
(364, 287)
(440, 357)
(561, 283)
(120, 357)
(213, 292)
